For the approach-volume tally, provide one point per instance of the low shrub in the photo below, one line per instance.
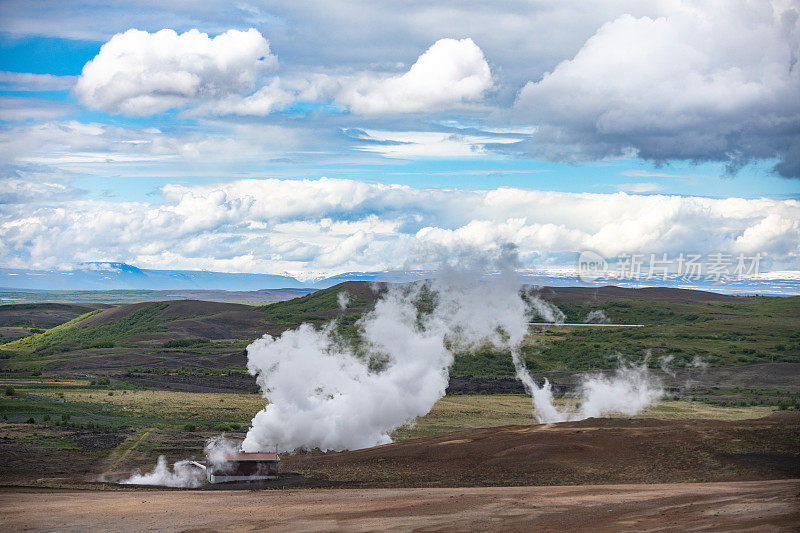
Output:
(186, 343)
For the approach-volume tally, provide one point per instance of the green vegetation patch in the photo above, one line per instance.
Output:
(92, 407)
(728, 332)
(317, 307)
(71, 336)
(186, 343)
(753, 330)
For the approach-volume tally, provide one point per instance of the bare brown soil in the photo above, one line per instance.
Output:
(49, 455)
(586, 452)
(105, 361)
(751, 506)
(594, 451)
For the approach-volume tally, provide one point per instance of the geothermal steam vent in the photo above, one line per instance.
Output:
(243, 467)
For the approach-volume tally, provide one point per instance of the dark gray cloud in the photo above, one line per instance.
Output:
(711, 82)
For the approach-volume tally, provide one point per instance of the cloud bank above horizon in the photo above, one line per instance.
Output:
(308, 228)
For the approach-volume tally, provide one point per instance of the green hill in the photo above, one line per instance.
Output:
(687, 326)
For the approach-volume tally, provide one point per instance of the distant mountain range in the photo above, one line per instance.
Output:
(121, 276)
(765, 285)
(390, 276)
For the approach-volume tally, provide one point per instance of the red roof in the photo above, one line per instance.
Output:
(253, 457)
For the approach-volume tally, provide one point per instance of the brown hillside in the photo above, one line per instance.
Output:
(364, 290)
(654, 294)
(44, 315)
(193, 318)
(588, 452)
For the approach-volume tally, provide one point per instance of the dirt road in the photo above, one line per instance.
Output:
(756, 505)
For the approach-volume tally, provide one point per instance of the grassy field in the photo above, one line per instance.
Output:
(83, 402)
(754, 330)
(317, 307)
(10, 296)
(117, 296)
(86, 403)
(453, 413)
(110, 393)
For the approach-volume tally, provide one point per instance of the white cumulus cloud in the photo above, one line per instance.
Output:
(449, 73)
(141, 73)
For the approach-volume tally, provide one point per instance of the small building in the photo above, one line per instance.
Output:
(244, 467)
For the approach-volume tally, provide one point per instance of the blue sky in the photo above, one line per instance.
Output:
(708, 179)
(99, 118)
(46, 55)
(67, 57)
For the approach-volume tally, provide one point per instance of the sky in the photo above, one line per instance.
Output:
(317, 138)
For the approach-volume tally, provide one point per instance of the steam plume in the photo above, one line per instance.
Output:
(343, 299)
(598, 316)
(325, 393)
(628, 391)
(183, 474)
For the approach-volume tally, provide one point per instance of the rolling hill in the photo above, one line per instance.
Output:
(206, 337)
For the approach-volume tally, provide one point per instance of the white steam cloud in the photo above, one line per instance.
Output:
(326, 393)
(598, 316)
(186, 473)
(183, 474)
(546, 310)
(343, 299)
(335, 393)
(628, 391)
